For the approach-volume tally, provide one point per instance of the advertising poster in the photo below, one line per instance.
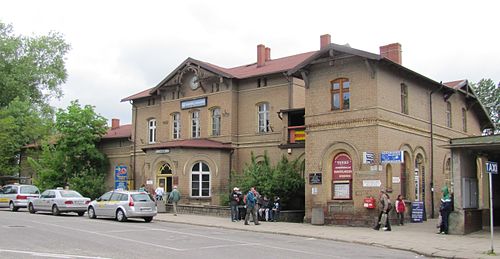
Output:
(121, 177)
(417, 211)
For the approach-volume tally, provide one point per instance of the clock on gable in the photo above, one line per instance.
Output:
(194, 82)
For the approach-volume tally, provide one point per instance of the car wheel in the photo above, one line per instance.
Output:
(91, 213)
(31, 209)
(120, 216)
(148, 219)
(12, 207)
(80, 213)
(55, 210)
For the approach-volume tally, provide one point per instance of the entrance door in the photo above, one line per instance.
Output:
(164, 178)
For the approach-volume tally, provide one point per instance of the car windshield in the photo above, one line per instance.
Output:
(141, 197)
(70, 194)
(29, 189)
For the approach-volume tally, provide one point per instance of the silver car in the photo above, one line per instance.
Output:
(122, 205)
(58, 201)
(16, 196)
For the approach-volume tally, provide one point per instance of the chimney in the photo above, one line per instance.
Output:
(392, 52)
(268, 54)
(325, 40)
(261, 55)
(115, 123)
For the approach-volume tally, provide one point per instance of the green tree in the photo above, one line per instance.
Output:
(31, 72)
(20, 124)
(489, 94)
(285, 179)
(73, 158)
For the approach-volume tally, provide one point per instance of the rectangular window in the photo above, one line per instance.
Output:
(176, 125)
(263, 117)
(152, 131)
(404, 98)
(195, 124)
(195, 185)
(340, 94)
(216, 121)
(448, 115)
(464, 119)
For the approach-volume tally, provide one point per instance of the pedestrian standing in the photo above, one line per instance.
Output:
(234, 201)
(385, 207)
(400, 209)
(174, 197)
(445, 210)
(251, 202)
(159, 192)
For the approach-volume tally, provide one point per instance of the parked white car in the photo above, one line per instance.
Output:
(16, 196)
(122, 205)
(59, 201)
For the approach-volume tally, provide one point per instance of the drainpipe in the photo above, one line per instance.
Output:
(431, 168)
(135, 140)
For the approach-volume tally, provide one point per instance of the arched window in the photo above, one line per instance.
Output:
(176, 125)
(152, 131)
(263, 116)
(216, 121)
(195, 124)
(448, 114)
(404, 98)
(200, 180)
(388, 177)
(341, 98)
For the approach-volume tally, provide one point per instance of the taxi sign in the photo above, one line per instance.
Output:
(491, 167)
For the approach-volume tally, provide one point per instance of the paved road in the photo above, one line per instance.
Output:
(23, 235)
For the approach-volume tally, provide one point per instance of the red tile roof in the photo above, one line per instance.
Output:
(191, 143)
(139, 95)
(455, 84)
(124, 131)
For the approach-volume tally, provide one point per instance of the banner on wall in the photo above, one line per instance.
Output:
(121, 177)
(342, 167)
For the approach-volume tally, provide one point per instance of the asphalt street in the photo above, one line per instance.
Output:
(40, 235)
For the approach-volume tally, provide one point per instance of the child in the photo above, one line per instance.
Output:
(400, 209)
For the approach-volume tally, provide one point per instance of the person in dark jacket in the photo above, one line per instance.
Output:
(234, 202)
(275, 211)
(445, 210)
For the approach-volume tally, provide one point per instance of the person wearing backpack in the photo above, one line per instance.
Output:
(385, 207)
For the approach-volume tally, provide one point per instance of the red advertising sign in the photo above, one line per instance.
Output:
(342, 167)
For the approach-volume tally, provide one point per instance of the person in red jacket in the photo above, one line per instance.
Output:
(400, 209)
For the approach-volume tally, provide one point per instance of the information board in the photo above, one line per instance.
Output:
(121, 177)
(417, 211)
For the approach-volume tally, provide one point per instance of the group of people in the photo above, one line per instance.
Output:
(252, 203)
(173, 197)
(385, 207)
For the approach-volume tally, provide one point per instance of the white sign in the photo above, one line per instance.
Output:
(314, 191)
(374, 168)
(162, 151)
(149, 182)
(372, 183)
(396, 179)
(368, 158)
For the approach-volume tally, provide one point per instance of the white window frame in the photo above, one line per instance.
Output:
(176, 125)
(152, 131)
(195, 124)
(216, 121)
(199, 184)
(263, 125)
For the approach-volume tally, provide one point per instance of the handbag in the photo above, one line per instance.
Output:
(383, 219)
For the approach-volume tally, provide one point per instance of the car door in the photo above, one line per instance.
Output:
(4, 201)
(114, 203)
(39, 204)
(101, 203)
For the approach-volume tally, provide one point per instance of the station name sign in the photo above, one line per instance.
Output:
(392, 157)
(200, 102)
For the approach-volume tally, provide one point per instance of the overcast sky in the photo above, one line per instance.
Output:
(119, 48)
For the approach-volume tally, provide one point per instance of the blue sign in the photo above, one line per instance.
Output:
(394, 157)
(492, 167)
(121, 177)
(417, 211)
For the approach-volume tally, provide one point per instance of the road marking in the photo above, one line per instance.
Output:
(43, 254)
(112, 236)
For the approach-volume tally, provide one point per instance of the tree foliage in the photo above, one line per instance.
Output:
(489, 94)
(31, 72)
(285, 179)
(73, 158)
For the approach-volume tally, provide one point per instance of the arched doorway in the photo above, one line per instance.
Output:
(164, 177)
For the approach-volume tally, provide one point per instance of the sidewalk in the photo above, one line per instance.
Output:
(420, 238)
